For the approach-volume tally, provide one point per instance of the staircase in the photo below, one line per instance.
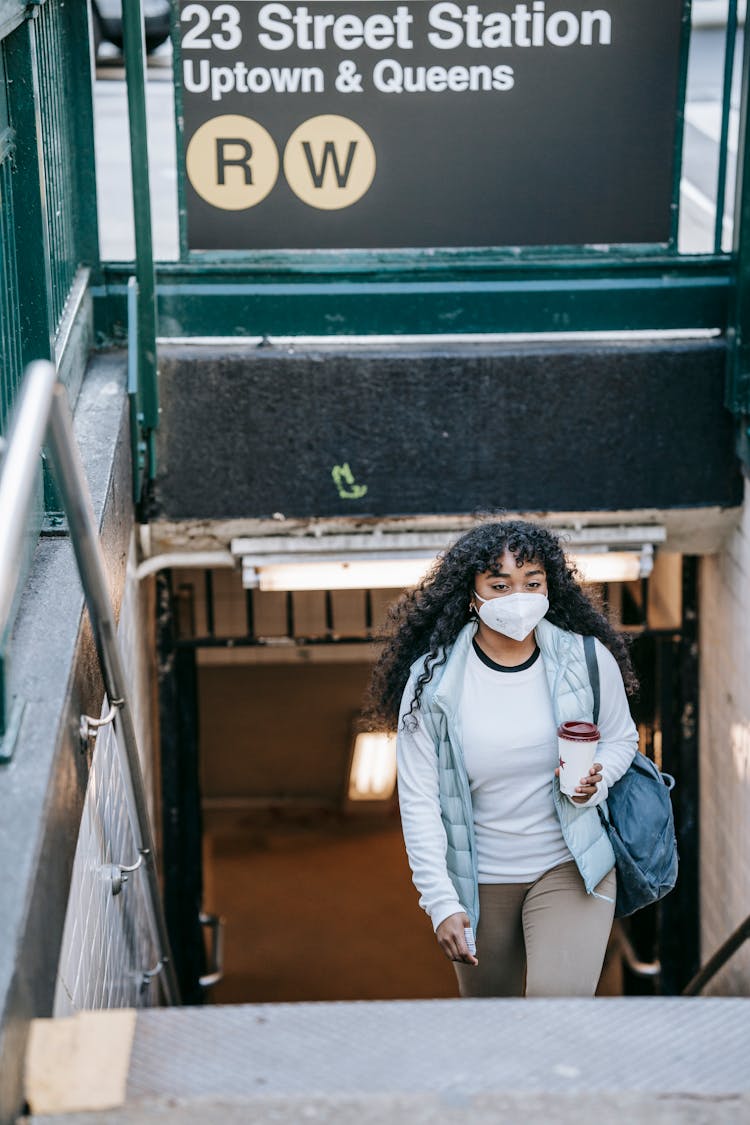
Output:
(439, 1062)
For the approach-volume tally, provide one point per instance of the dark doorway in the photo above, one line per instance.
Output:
(260, 694)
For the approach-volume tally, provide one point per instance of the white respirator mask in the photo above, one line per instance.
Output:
(514, 615)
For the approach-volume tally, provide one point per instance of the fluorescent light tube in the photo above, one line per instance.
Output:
(609, 566)
(373, 773)
(357, 574)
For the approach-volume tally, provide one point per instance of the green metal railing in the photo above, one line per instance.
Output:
(55, 48)
(10, 312)
(48, 224)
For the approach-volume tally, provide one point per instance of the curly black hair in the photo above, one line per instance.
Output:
(428, 618)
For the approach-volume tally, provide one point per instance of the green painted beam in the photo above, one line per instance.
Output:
(226, 300)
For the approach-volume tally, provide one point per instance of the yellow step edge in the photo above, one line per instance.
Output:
(79, 1063)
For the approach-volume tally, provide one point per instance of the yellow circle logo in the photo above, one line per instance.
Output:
(329, 162)
(232, 162)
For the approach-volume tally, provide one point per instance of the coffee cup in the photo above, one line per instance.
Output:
(577, 744)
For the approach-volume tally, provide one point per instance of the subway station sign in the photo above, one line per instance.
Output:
(340, 124)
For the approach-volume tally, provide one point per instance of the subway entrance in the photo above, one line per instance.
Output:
(260, 699)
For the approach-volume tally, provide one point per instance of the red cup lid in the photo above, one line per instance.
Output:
(579, 731)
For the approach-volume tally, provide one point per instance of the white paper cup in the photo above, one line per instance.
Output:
(577, 745)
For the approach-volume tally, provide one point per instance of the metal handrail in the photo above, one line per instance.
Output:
(719, 959)
(637, 967)
(42, 415)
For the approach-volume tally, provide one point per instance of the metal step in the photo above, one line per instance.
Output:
(439, 1061)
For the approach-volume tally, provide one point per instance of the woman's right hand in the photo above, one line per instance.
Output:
(452, 939)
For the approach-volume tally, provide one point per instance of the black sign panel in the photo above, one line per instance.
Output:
(358, 124)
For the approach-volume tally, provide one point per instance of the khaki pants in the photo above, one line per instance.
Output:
(551, 931)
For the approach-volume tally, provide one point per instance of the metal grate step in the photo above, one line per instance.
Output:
(438, 1061)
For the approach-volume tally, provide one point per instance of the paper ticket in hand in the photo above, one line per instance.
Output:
(470, 942)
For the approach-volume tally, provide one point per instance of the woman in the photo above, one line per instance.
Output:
(485, 659)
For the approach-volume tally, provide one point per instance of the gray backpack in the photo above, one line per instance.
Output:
(639, 822)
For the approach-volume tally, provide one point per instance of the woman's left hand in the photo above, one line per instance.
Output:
(588, 785)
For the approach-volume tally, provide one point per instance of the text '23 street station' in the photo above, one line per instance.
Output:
(280, 27)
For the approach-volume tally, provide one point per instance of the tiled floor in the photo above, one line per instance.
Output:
(324, 910)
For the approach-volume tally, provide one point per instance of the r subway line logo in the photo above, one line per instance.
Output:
(233, 162)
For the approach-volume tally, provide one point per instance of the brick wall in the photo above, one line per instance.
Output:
(107, 940)
(725, 752)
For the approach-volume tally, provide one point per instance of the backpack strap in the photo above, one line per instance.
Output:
(589, 648)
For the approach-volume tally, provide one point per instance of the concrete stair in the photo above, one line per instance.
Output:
(439, 1062)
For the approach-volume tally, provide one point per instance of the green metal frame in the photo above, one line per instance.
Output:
(738, 334)
(10, 310)
(209, 259)
(139, 444)
(48, 218)
(32, 236)
(54, 177)
(178, 116)
(141, 313)
(680, 123)
(331, 299)
(721, 186)
(438, 291)
(135, 64)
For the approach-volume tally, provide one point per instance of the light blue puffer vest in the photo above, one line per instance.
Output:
(572, 698)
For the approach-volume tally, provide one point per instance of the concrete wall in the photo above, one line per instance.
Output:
(279, 730)
(725, 752)
(56, 675)
(108, 940)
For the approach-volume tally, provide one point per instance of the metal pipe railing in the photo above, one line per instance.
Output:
(637, 967)
(43, 411)
(20, 476)
(719, 959)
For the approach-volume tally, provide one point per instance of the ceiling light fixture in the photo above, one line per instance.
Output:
(392, 560)
(338, 574)
(614, 566)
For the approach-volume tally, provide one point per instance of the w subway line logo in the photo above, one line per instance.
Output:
(233, 162)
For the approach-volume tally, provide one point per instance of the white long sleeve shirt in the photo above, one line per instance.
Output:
(509, 742)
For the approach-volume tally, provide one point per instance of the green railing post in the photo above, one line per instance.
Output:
(10, 311)
(738, 333)
(138, 449)
(726, 109)
(32, 235)
(135, 66)
(679, 137)
(82, 93)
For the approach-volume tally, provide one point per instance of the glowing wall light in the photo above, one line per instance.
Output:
(372, 776)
